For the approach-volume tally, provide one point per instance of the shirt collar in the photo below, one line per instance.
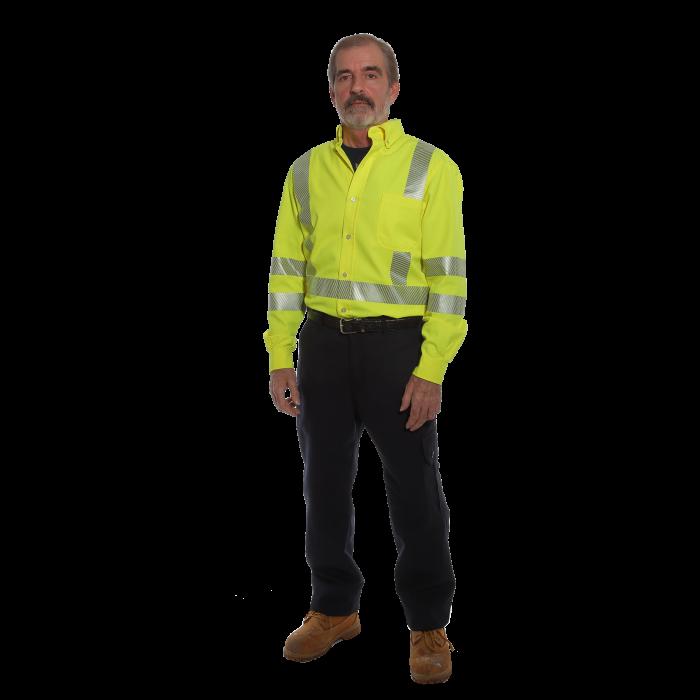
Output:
(388, 133)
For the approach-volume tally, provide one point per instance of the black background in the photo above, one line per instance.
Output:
(211, 124)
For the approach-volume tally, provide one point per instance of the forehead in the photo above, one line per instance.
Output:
(357, 57)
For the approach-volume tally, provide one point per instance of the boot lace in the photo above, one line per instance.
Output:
(323, 620)
(434, 640)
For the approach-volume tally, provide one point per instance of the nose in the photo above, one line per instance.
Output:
(357, 88)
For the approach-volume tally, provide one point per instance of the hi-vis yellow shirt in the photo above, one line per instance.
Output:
(384, 240)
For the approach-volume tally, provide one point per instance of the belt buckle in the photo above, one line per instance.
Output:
(344, 332)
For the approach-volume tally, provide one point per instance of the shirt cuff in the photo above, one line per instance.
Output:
(431, 369)
(281, 358)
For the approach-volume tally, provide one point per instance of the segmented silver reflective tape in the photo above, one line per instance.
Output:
(301, 187)
(308, 243)
(288, 266)
(418, 171)
(446, 304)
(446, 265)
(367, 291)
(400, 263)
(285, 301)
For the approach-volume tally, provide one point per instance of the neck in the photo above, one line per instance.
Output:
(357, 138)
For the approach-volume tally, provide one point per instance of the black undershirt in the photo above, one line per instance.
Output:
(356, 154)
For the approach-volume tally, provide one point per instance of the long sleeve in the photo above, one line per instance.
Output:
(285, 305)
(444, 265)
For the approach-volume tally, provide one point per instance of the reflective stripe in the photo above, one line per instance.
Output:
(309, 243)
(301, 187)
(446, 265)
(399, 267)
(366, 291)
(285, 301)
(447, 304)
(288, 266)
(418, 172)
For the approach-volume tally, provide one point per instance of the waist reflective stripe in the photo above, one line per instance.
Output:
(446, 265)
(285, 301)
(367, 291)
(288, 266)
(418, 171)
(446, 304)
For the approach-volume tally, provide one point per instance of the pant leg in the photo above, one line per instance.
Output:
(329, 436)
(419, 515)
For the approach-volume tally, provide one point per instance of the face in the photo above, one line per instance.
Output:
(361, 94)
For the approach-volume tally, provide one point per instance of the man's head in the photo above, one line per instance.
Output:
(363, 80)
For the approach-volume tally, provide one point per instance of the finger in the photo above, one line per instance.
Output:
(424, 419)
(290, 407)
(281, 401)
(273, 396)
(415, 417)
(420, 418)
(277, 397)
(294, 407)
(294, 391)
(405, 400)
(286, 405)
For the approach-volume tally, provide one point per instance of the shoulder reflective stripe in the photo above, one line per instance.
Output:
(285, 301)
(399, 267)
(418, 171)
(301, 187)
(309, 244)
(366, 291)
(446, 265)
(446, 304)
(288, 266)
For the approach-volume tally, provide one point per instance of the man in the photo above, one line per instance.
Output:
(369, 241)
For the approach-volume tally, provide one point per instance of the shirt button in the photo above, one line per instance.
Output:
(352, 199)
(343, 309)
(348, 236)
(345, 274)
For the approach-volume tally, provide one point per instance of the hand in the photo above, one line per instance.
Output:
(280, 381)
(424, 398)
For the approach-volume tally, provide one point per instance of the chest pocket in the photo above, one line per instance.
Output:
(399, 222)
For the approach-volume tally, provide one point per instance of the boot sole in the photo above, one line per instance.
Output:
(349, 634)
(427, 680)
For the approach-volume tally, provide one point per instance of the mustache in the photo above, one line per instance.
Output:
(359, 99)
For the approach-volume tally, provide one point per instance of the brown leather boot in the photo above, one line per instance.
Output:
(318, 633)
(430, 660)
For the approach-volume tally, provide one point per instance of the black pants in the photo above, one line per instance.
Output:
(349, 383)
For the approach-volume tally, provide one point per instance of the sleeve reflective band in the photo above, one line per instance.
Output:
(301, 187)
(418, 172)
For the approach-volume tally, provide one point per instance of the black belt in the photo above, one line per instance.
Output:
(369, 324)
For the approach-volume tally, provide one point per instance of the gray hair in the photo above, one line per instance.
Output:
(348, 42)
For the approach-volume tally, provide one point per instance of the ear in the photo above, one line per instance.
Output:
(394, 91)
